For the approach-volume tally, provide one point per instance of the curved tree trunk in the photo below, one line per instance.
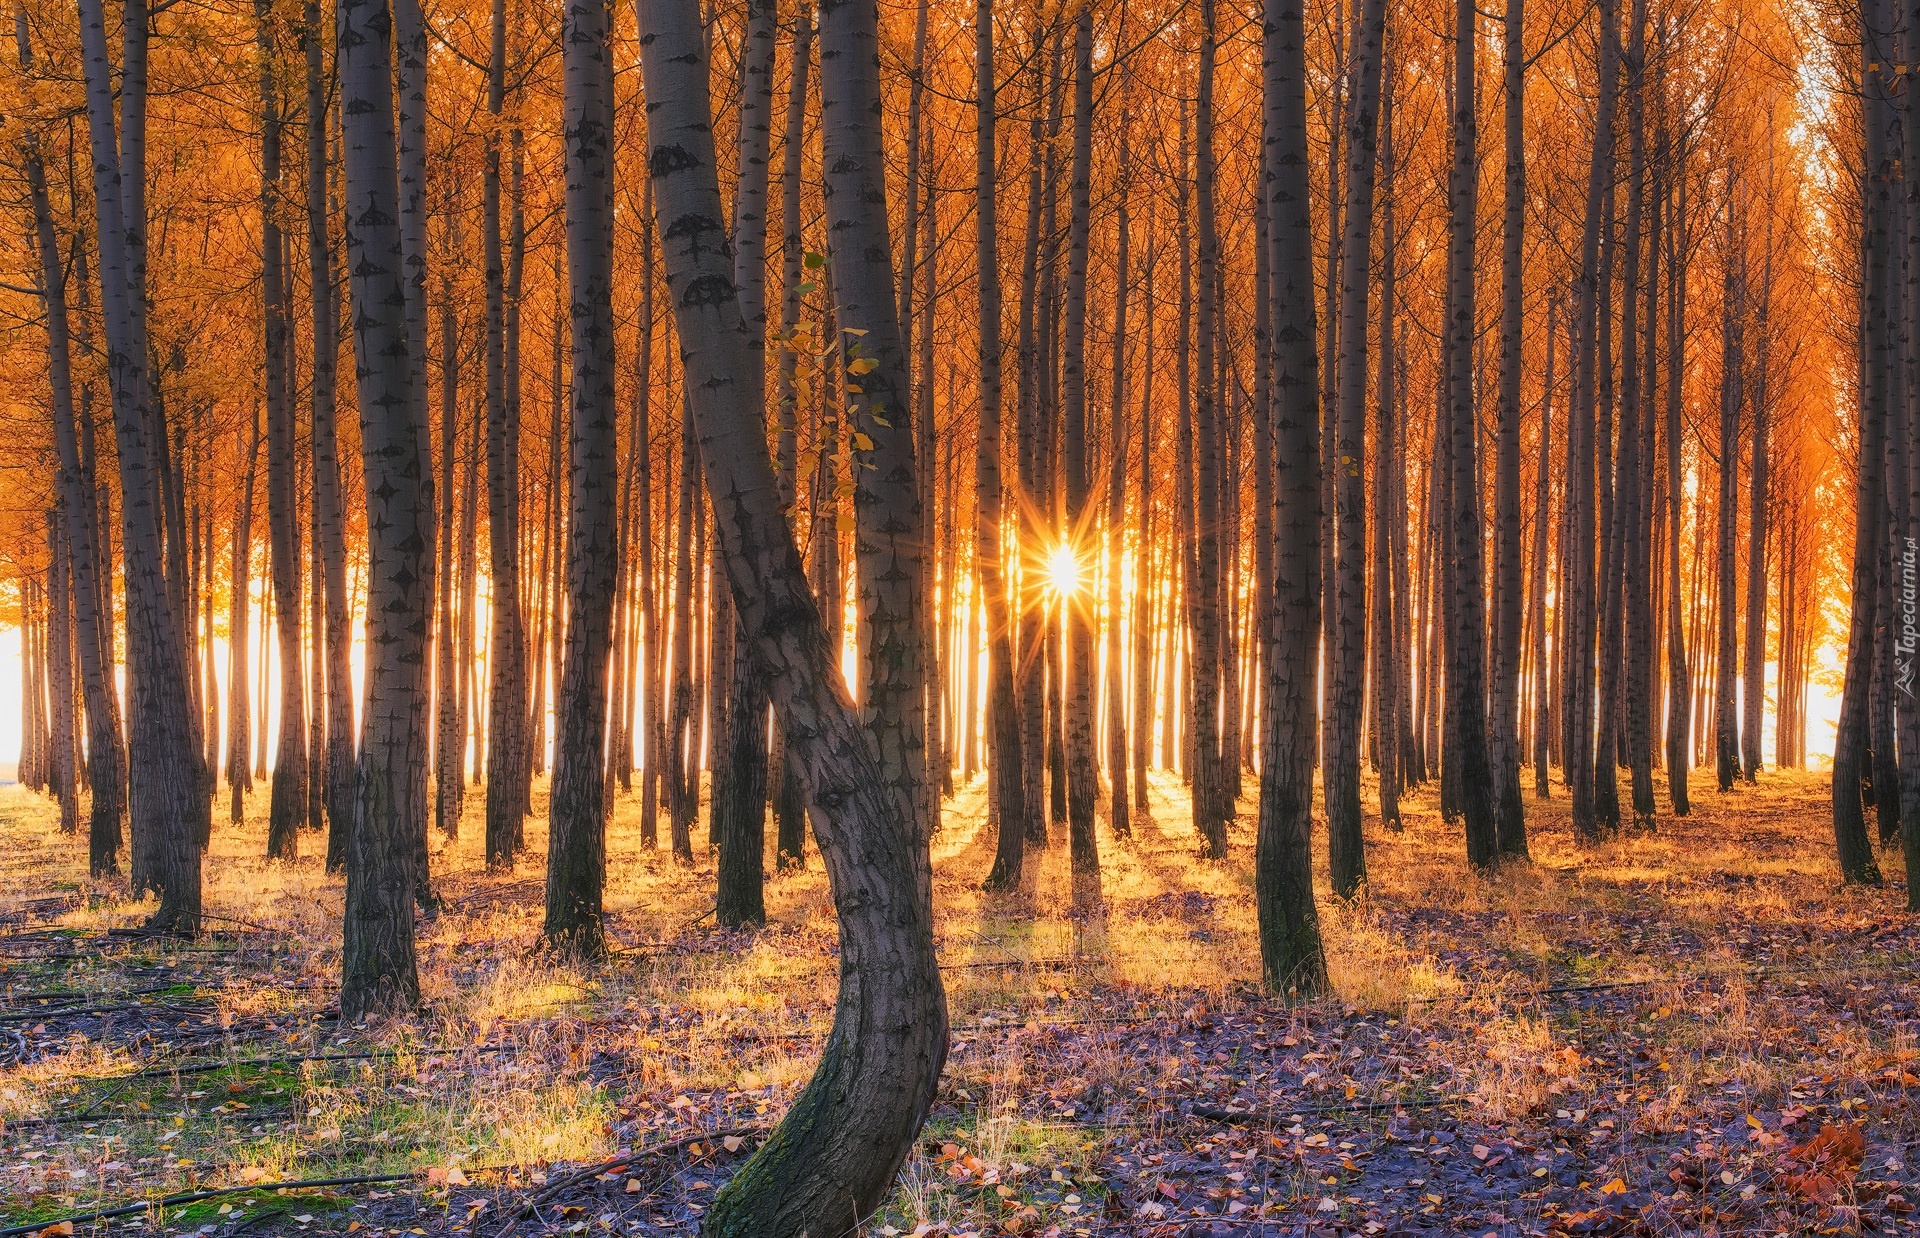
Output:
(835, 1155)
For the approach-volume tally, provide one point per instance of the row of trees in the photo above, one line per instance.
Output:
(1258, 317)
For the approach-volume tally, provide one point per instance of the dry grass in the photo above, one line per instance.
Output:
(653, 1038)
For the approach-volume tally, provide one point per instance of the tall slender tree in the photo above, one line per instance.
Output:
(1291, 955)
(1006, 755)
(506, 652)
(1082, 778)
(1503, 697)
(168, 813)
(576, 839)
(1347, 633)
(1466, 738)
(378, 965)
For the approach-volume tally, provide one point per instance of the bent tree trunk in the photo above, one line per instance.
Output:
(833, 1158)
(378, 967)
(1290, 951)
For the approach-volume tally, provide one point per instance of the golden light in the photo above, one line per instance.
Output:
(1063, 570)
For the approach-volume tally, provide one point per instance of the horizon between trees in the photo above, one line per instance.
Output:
(786, 417)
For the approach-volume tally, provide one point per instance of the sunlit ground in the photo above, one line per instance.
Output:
(518, 1062)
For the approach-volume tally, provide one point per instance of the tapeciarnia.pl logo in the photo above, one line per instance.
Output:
(1909, 638)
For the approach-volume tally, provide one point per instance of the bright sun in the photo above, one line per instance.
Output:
(1063, 569)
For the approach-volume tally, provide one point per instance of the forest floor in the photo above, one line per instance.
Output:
(1693, 1030)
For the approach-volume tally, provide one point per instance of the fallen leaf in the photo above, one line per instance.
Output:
(732, 1143)
(1616, 1187)
(1168, 1189)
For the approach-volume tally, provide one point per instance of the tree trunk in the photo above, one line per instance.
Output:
(790, 822)
(1907, 538)
(377, 959)
(887, 505)
(1577, 713)
(1850, 753)
(449, 752)
(329, 532)
(1503, 722)
(1291, 956)
(1466, 737)
(1679, 752)
(1389, 590)
(289, 806)
(1210, 806)
(1082, 777)
(239, 615)
(1006, 756)
(92, 625)
(409, 67)
(1636, 442)
(506, 659)
(61, 773)
(1726, 722)
(168, 813)
(1347, 633)
(1028, 602)
(576, 841)
(740, 783)
(1117, 801)
(1542, 519)
(834, 1157)
(680, 752)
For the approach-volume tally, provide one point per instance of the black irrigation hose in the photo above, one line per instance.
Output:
(194, 1197)
(90, 1117)
(1750, 973)
(23, 1016)
(200, 1068)
(1213, 1114)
